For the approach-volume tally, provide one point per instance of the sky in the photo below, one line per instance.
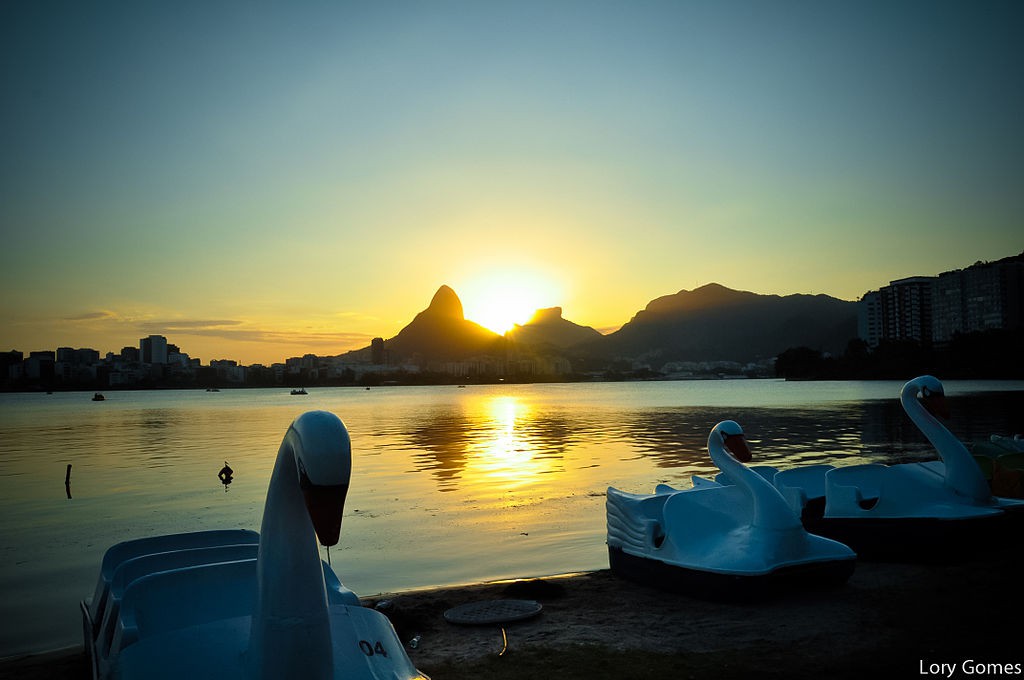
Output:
(260, 180)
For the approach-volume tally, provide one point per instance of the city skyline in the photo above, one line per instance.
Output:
(264, 182)
(985, 300)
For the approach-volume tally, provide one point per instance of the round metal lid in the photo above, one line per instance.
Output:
(492, 611)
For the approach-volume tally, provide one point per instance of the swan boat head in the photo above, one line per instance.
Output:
(323, 462)
(728, 449)
(291, 631)
(930, 392)
(924, 401)
(730, 435)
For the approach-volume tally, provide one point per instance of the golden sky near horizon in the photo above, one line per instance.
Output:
(259, 182)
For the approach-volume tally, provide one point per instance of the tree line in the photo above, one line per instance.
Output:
(993, 354)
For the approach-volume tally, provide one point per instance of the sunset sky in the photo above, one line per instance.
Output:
(262, 180)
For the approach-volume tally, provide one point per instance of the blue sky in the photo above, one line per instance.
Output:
(257, 180)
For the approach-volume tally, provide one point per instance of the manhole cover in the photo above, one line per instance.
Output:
(492, 611)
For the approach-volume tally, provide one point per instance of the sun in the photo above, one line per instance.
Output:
(499, 301)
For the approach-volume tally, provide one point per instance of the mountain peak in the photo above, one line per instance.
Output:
(547, 327)
(547, 315)
(446, 303)
(713, 321)
(441, 331)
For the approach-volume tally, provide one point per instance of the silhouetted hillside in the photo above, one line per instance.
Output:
(714, 323)
(547, 328)
(441, 331)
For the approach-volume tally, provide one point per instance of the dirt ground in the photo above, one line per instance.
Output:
(888, 620)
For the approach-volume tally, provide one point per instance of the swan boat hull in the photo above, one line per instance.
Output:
(365, 645)
(729, 587)
(922, 539)
(942, 532)
(899, 513)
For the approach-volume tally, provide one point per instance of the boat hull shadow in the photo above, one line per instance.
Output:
(933, 540)
(724, 587)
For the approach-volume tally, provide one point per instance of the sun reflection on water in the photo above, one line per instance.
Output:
(509, 456)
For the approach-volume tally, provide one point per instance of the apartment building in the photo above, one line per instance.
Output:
(934, 309)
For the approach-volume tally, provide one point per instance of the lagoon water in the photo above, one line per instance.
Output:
(450, 485)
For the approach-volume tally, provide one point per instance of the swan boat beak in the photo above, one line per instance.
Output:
(737, 446)
(325, 505)
(935, 403)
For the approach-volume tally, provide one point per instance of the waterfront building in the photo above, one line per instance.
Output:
(229, 370)
(11, 365)
(153, 350)
(869, 318)
(40, 366)
(907, 309)
(935, 309)
(900, 311)
(985, 296)
(378, 354)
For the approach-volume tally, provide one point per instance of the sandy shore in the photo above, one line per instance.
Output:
(888, 620)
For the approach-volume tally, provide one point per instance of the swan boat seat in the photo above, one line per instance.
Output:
(722, 541)
(241, 604)
(185, 587)
(93, 609)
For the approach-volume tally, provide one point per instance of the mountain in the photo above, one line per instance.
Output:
(547, 328)
(440, 332)
(709, 323)
(714, 322)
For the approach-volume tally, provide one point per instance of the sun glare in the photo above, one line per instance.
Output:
(508, 458)
(501, 301)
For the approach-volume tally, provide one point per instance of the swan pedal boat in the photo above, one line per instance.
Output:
(934, 511)
(731, 542)
(240, 604)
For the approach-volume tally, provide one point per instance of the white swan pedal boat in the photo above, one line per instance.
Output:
(737, 541)
(237, 604)
(938, 510)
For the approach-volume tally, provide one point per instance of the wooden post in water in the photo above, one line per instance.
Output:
(67, 480)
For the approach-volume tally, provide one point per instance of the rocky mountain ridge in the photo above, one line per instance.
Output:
(710, 323)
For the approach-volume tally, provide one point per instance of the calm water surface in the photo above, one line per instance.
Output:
(449, 485)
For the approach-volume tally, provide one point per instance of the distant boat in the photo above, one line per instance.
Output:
(301, 390)
(98, 397)
(212, 389)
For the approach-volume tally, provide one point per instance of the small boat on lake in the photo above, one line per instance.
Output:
(736, 541)
(301, 390)
(237, 604)
(98, 397)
